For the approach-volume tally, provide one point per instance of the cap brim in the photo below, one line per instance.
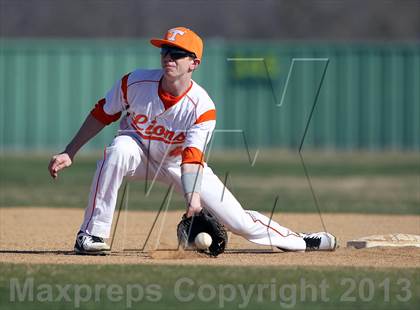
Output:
(160, 42)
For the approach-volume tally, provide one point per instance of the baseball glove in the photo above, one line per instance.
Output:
(189, 227)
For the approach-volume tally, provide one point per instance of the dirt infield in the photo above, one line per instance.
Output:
(45, 235)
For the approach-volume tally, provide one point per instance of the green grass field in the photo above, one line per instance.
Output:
(350, 182)
(175, 287)
(343, 182)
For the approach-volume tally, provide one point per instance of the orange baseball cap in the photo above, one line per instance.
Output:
(183, 38)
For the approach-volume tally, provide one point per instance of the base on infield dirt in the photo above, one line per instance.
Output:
(390, 240)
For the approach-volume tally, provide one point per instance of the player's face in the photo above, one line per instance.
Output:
(177, 62)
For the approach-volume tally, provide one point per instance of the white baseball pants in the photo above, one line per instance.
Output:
(125, 158)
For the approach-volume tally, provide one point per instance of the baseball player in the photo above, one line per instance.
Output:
(166, 121)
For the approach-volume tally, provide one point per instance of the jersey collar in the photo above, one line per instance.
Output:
(169, 100)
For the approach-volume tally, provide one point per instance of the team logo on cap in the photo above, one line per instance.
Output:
(174, 33)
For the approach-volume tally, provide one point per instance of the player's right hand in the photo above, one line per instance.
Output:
(59, 162)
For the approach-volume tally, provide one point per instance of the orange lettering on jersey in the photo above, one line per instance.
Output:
(140, 119)
(180, 137)
(159, 130)
(150, 127)
(169, 135)
(154, 131)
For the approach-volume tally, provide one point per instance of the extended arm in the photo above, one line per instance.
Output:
(198, 137)
(90, 128)
(193, 198)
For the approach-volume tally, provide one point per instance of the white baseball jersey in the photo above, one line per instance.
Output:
(188, 122)
(173, 127)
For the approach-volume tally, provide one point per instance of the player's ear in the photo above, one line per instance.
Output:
(195, 64)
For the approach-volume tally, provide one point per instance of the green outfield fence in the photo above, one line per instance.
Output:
(370, 98)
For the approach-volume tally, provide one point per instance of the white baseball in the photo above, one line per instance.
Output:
(203, 241)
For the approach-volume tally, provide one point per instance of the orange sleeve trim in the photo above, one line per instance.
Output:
(124, 87)
(192, 155)
(210, 115)
(99, 113)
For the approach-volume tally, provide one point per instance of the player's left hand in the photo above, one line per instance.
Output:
(189, 227)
